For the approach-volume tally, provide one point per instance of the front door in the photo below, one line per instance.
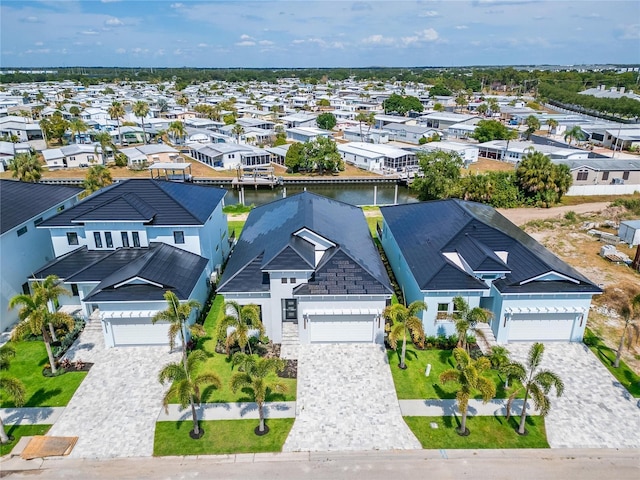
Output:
(290, 310)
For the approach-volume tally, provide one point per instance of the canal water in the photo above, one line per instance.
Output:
(355, 194)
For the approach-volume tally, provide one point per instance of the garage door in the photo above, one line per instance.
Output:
(138, 331)
(340, 328)
(541, 327)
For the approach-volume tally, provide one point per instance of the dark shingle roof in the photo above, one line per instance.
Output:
(268, 235)
(22, 201)
(170, 267)
(424, 231)
(166, 203)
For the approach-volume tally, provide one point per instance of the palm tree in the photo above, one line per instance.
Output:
(177, 315)
(141, 110)
(34, 317)
(78, 126)
(235, 326)
(257, 375)
(116, 112)
(105, 143)
(552, 123)
(10, 386)
(182, 100)
(403, 322)
(574, 133)
(469, 375)
(74, 110)
(186, 385)
(482, 109)
(98, 176)
(237, 130)
(535, 383)
(51, 289)
(466, 318)
(367, 119)
(630, 312)
(177, 129)
(533, 124)
(26, 168)
(511, 134)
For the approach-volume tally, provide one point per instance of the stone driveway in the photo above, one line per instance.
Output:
(595, 410)
(115, 409)
(346, 401)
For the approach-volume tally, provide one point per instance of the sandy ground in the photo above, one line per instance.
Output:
(520, 216)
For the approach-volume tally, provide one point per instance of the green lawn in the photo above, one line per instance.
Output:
(627, 377)
(221, 365)
(236, 226)
(221, 436)
(486, 432)
(412, 382)
(41, 391)
(19, 431)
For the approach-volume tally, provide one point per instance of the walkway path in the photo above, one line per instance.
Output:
(230, 411)
(347, 401)
(439, 408)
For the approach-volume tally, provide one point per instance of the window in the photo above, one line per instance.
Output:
(25, 288)
(136, 239)
(108, 240)
(98, 239)
(22, 231)
(37, 221)
(292, 280)
(178, 236)
(125, 239)
(60, 208)
(283, 280)
(605, 175)
(74, 290)
(443, 311)
(582, 175)
(72, 238)
(625, 175)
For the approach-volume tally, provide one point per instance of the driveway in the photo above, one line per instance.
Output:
(115, 409)
(346, 401)
(595, 410)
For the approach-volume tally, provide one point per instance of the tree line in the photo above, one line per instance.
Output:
(623, 106)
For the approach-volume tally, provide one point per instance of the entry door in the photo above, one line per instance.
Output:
(290, 310)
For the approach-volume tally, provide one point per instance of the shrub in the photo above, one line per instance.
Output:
(571, 216)
(69, 338)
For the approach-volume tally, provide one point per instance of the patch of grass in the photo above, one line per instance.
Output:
(486, 432)
(372, 222)
(236, 226)
(222, 366)
(627, 377)
(41, 391)
(237, 208)
(19, 431)
(220, 436)
(412, 382)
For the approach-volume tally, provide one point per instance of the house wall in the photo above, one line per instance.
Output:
(603, 189)
(363, 162)
(21, 256)
(214, 239)
(437, 326)
(85, 236)
(273, 327)
(74, 161)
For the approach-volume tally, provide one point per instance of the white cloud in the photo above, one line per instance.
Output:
(427, 35)
(246, 43)
(177, 5)
(378, 40)
(114, 22)
(89, 32)
(110, 1)
(631, 32)
(121, 50)
(244, 36)
(202, 45)
(178, 51)
(38, 50)
(298, 41)
(429, 13)
(461, 27)
(31, 19)
(265, 43)
(39, 44)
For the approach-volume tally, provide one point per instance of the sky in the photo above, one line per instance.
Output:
(317, 33)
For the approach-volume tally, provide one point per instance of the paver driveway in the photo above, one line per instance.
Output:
(595, 410)
(115, 409)
(346, 401)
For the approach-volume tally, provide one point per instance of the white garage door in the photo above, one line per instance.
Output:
(541, 327)
(341, 328)
(138, 331)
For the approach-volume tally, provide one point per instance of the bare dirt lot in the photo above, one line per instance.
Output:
(567, 237)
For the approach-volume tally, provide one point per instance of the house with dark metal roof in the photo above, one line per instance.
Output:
(23, 247)
(310, 261)
(120, 249)
(442, 249)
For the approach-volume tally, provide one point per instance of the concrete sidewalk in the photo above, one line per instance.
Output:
(229, 411)
(439, 408)
(31, 415)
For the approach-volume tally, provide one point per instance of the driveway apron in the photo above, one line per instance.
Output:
(346, 401)
(115, 409)
(595, 411)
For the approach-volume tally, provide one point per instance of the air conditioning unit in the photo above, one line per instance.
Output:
(213, 278)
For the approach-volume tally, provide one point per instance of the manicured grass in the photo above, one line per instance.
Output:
(372, 222)
(412, 382)
(236, 226)
(627, 377)
(237, 208)
(41, 391)
(222, 366)
(19, 431)
(220, 436)
(486, 432)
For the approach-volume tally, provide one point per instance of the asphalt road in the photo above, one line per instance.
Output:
(596, 464)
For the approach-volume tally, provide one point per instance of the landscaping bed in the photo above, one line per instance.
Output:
(220, 437)
(486, 432)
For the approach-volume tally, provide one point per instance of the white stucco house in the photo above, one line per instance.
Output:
(311, 261)
(442, 249)
(120, 249)
(23, 247)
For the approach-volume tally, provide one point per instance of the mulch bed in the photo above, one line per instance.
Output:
(46, 372)
(291, 370)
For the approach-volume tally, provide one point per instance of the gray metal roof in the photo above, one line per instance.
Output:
(426, 231)
(22, 201)
(267, 242)
(601, 164)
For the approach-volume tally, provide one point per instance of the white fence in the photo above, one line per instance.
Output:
(603, 189)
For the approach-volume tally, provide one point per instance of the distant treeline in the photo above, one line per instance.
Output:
(624, 106)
